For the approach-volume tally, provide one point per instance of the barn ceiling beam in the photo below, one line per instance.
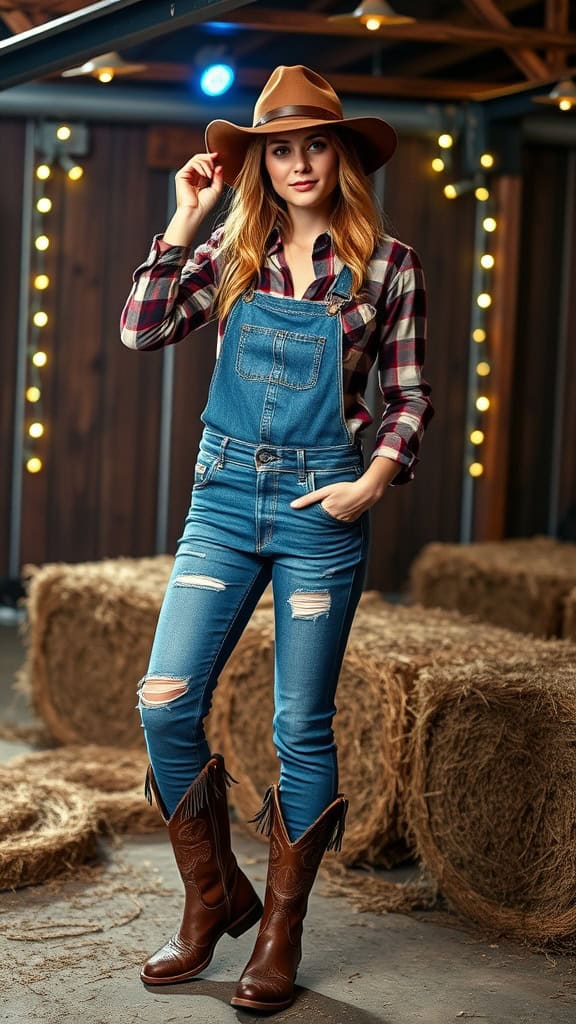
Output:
(107, 25)
(260, 19)
(557, 20)
(438, 58)
(528, 62)
(369, 85)
(16, 20)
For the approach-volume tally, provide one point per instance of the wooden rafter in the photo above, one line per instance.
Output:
(440, 57)
(528, 62)
(260, 19)
(16, 20)
(557, 20)
(261, 40)
(374, 85)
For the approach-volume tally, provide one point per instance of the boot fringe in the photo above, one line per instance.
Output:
(263, 817)
(203, 788)
(335, 840)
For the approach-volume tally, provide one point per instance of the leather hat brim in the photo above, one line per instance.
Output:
(375, 139)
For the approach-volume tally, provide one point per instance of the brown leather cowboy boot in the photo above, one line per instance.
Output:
(267, 981)
(218, 896)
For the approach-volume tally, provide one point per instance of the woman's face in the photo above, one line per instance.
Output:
(303, 166)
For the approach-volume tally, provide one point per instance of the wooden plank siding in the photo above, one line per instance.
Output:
(533, 397)
(442, 232)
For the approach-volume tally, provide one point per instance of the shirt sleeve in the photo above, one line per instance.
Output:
(407, 405)
(172, 293)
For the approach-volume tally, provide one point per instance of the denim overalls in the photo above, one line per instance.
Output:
(274, 429)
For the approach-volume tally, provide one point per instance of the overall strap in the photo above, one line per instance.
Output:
(340, 292)
(342, 286)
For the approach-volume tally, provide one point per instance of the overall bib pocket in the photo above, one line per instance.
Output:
(273, 356)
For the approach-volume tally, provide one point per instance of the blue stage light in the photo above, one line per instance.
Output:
(216, 79)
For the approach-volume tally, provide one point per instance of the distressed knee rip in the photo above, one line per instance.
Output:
(193, 579)
(310, 604)
(154, 691)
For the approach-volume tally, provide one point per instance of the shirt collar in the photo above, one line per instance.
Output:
(322, 244)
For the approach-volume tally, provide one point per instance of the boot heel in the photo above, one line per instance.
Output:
(246, 922)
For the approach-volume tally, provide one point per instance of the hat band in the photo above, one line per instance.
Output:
(297, 111)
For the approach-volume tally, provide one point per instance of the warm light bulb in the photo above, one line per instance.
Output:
(487, 261)
(44, 204)
(479, 334)
(487, 160)
(63, 132)
(483, 369)
(33, 394)
(476, 469)
(36, 429)
(482, 193)
(34, 465)
(450, 192)
(445, 141)
(105, 76)
(40, 319)
(39, 359)
(42, 242)
(438, 164)
(43, 171)
(565, 104)
(482, 403)
(484, 300)
(76, 172)
(372, 24)
(477, 436)
(41, 282)
(489, 224)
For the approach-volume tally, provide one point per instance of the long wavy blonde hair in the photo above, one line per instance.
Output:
(356, 223)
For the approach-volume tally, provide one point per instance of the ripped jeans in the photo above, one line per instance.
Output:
(241, 533)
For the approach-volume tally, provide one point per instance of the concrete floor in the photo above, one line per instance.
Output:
(70, 951)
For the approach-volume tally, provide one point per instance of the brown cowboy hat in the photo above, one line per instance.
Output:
(296, 97)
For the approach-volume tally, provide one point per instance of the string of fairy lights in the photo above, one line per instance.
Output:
(54, 147)
(484, 262)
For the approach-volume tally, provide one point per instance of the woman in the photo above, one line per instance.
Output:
(309, 291)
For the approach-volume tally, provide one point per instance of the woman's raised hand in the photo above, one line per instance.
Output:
(199, 184)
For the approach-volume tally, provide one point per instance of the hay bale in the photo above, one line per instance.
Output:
(519, 584)
(569, 621)
(89, 633)
(492, 789)
(46, 827)
(113, 780)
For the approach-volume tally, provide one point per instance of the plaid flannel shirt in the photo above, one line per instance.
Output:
(173, 294)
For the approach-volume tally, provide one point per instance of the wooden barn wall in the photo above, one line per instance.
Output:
(535, 394)
(97, 495)
(441, 231)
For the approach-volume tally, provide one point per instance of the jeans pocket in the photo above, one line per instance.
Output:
(323, 478)
(204, 470)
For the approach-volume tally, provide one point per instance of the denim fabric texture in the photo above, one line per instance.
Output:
(264, 443)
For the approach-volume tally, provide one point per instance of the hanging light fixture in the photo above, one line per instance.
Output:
(563, 95)
(104, 68)
(373, 14)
